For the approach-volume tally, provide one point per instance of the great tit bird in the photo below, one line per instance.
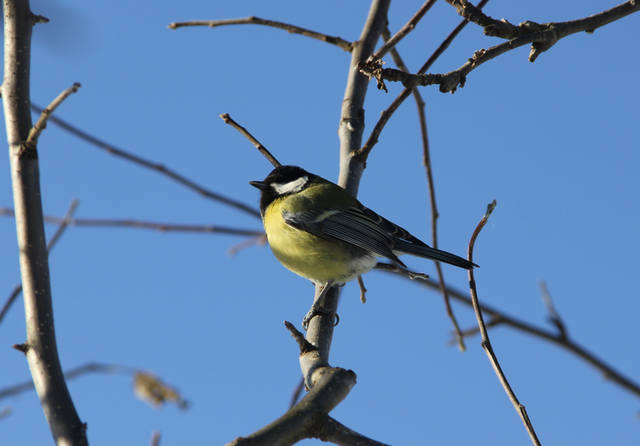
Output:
(319, 231)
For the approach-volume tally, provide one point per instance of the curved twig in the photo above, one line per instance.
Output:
(486, 342)
(293, 29)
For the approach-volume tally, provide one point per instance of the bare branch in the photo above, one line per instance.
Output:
(146, 385)
(335, 432)
(155, 438)
(554, 316)
(607, 370)
(41, 124)
(363, 152)
(541, 36)
(426, 158)
(492, 27)
(486, 342)
(331, 386)
(141, 224)
(64, 222)
(295, 395)
(402, 271)
(262, 149)
(320, 332)
(160, 168)
(351, 124)
(41, 348)
(391, 42)
(293, 29)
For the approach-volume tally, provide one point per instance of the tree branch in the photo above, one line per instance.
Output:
(41, 349)
(426, 159)
(258, 145)
(607, 370)
(320, 332)
(142, 224)
(486, 342)
(334, 40)
(160, 168)
(392, 41)
(331, 386)
(64, 222)
(41, 124)
(363, 152)
(541, 36)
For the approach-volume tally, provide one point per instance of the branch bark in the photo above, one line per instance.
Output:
(541, 36)
(293, 29)
(41, 349)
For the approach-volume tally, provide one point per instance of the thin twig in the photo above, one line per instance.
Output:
(392, 41)
(363, 152)
(492, 27)
(63, 223)
(295, 395)
(142, 224)
(432, 194)
(259, 240)
(160, 168)
(262, 149)
(472, 331)
(41, 124)
(402, 271)
(155, 438)
(486, 343)
(293, 29)
(554, 316)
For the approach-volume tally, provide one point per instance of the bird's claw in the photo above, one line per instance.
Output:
(313, 312)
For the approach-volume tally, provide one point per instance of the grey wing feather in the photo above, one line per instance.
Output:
(350, 225)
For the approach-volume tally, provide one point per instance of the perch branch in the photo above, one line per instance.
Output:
(293, 29)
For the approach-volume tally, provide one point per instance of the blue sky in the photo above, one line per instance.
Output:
(554, 142)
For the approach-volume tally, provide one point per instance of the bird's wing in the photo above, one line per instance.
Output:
(357, 226)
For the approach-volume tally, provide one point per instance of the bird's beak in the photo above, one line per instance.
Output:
(259, 184)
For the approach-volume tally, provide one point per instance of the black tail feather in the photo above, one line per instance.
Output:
(431, 253)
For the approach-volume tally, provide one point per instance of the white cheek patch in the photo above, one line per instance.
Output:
(290, 187)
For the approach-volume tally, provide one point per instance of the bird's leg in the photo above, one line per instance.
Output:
(363, 290)
(318, 304)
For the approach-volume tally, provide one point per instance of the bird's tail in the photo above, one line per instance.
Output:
(432, 253)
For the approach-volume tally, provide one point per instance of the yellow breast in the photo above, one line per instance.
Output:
(319, 260)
